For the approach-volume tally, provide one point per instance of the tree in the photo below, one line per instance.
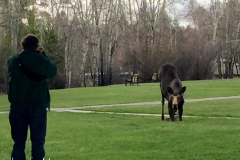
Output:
(30, 27)
(52, 48)
(232, 43)
(5, 51)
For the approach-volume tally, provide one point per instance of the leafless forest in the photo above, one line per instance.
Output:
(101, 42)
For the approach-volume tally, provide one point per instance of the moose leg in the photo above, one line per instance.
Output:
(180, 111)
(171, 111)
(163, 107)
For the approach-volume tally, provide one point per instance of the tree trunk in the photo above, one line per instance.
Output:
(67, 65)
(95, 78)
(83, 63)
(219, 66)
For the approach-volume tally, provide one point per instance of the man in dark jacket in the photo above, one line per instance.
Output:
(29, 97)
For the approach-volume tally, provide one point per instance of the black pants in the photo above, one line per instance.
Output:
(21, 117)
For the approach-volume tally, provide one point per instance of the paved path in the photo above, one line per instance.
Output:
(143, 103)
(75, 109)
(3, 112)
(142, 114)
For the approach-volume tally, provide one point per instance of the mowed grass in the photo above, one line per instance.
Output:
(214, 108)
(95, 136)
(144, 92)
(79, 136)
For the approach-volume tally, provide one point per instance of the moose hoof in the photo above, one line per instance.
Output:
(173, 120)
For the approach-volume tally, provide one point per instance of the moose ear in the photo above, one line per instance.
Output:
(182, 90)
(169, 89)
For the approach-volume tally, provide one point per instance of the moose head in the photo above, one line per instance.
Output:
(176, 97)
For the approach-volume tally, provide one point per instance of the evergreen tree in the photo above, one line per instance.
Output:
(31, 26)
(5, 51)
(51, 46)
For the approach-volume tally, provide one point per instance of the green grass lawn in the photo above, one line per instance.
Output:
(94, 136)
(74, 136)
(144, 92)
(219, 108)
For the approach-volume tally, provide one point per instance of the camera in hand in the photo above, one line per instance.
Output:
(40, 50)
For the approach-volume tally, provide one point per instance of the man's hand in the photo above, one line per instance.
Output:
(39, 50)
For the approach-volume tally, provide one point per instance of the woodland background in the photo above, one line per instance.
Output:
(101, 42)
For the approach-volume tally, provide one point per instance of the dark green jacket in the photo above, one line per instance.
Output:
(22, 89)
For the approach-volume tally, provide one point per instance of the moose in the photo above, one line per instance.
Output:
(171, 89)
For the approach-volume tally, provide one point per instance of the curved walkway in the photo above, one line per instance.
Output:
(143, 103)
(74, 109)
(142, 114)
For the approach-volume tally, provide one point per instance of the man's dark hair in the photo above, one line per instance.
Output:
(30, 41)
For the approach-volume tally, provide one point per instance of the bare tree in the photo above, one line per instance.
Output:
(232, 35)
